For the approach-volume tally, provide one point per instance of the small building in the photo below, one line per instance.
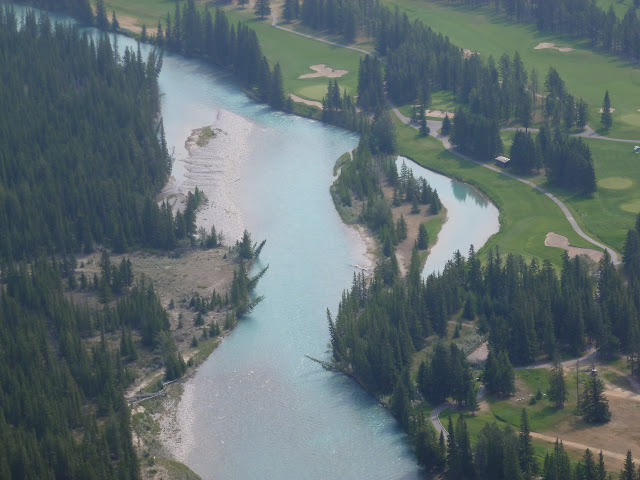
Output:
(636, 149)
(502, 161)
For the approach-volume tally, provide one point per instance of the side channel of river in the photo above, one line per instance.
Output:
(257, 408)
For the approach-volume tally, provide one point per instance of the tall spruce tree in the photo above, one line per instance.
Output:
(605, 117)
(262, 8)
(594, 406)
(557, 392)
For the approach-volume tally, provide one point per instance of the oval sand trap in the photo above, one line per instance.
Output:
(615, 183)
(545, 45)
(323, 71)
(633, 207)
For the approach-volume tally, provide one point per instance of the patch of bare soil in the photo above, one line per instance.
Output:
(611, 110)
(324, 71)
(466, 53)
(404, 248)
(480, 354)
(131, 24)
(560, 241)
(545, 45)
(176, 279)
(298, 99)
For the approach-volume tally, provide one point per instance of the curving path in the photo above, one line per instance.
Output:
(435, 125)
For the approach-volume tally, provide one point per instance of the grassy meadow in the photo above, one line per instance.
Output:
(613, 209)
(587, 74)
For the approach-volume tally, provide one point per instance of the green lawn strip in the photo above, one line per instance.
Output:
(587, 74)
(441, 100)
(146, 12)
(526, 215)
(611, 211)
(620, 7)
(614, 207)
(297, 53)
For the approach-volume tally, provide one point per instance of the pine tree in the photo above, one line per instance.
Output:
(629, 469)
(583, 114)
(594, 406)
(525, 448)
(605, 118)
(262, 8)
(102, 22)
(276, 96)
(446, 125)
(557, 392)
(115, 25)
(246, 247)
(423, 237)
(291, 10)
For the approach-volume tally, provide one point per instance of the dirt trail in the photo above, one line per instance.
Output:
(579, 446)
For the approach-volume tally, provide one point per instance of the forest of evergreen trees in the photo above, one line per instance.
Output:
(361, 179)
(526, 309)
(197, 33)
(62, 411)
(81, 146)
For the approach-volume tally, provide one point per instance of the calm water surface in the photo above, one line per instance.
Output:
(258, 408)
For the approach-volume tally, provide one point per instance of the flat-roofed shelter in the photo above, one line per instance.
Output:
(502, 161)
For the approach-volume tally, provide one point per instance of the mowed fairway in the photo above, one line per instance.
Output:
(297, 53)
(526, 215)
(587, 74)
(294, 52)
(614, 207)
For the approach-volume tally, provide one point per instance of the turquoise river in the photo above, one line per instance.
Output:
(258, 408)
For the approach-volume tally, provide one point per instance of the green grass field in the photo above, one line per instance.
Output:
(620, 7)
(526, 216)
(277, 45)
(587, 74)
(614, 207)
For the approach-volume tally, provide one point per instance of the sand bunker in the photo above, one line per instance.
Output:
(466, 53)
(438, 114)
(611, 110)
(560, 241)
(298, 99)
(615, 183)
(544, 45)
(323, 71)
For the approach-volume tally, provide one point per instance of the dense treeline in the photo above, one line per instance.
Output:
(62, 411)
(567, 160)
(197, 33)
(361, 181)
(526, 309)
(581, 18)
(81, 147)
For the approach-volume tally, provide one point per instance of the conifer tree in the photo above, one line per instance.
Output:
(557, 392)
(605, 118)
(446, 125)
(594, 406)
(291, 10)
(276, 97)
(528, 463)
(262, 8)
(115, 25)
(102, 22)
(423, 237)
(629, 469)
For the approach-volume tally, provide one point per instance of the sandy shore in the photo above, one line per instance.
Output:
(215, 169)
